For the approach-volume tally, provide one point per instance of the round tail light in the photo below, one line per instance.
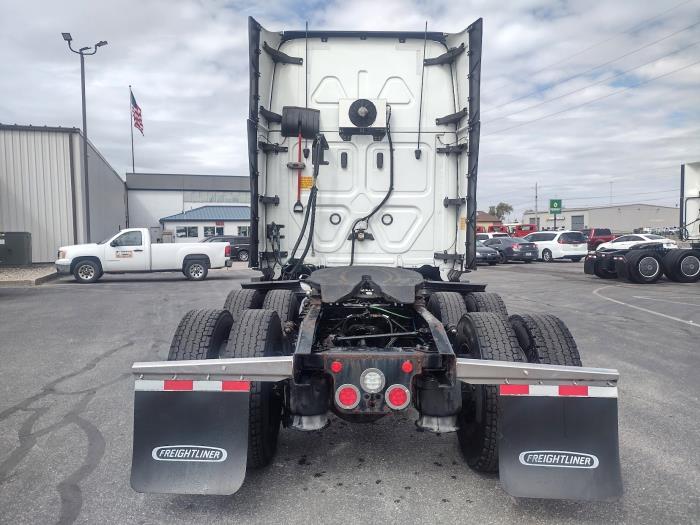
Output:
(347, 396)
(336, 367)
(372, 380)
(397, 397)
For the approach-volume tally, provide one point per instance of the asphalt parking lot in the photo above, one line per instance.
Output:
(66, 410)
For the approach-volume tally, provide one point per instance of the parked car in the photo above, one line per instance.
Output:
(240, 245)
(486, 255)
(559, 245)
(511, 249)
(490, 235)
(131, 250)
(625, 242)
(597, 236)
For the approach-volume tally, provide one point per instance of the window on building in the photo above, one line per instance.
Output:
(209, 231)
(228, 197)
(182, 232)
(128, 239)
(219, 230)
(244, 231)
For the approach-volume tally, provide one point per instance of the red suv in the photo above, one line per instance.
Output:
(597, 236)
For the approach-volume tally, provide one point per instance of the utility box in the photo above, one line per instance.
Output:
(15, 248)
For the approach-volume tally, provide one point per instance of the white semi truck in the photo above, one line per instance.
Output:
(131, 251)
(363, 151)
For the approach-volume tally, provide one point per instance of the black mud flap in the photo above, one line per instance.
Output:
(559, 442)
(190, 437)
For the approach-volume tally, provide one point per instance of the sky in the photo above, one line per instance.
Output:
(585, 98)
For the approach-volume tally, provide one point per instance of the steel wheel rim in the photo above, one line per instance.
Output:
(690, 266)
(196, 270)
(648, 267)
(86, 271)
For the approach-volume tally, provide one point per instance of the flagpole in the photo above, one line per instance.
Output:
(131, 118)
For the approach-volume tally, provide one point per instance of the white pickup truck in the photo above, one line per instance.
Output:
(131, 250)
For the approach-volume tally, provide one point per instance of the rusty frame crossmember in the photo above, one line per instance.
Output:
(473, 371)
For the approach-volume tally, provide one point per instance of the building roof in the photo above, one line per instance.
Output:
(589, 208)
(482, 216)
(29, 127)
(178, 182)
(211, 213)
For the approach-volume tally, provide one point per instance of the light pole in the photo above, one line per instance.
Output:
(83, 52)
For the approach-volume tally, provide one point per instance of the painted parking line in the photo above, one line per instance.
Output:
(664, 300)
(597, 293)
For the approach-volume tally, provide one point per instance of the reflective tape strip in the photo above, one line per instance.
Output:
(189, 385)
(558, 391)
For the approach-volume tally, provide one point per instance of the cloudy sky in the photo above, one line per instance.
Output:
(576, 94)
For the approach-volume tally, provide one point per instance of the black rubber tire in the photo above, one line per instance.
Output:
(493, 263)
(682, 266)
(483, 335)
(485, 302)
(576, 259)
(201, 334)
(87, 271)
(243, 255)
(239, 300)
(258, 334)
(502, 258)
(603, 273)
(195, 270)
(635, 259)
(545, 339)
(547, 256)
(448, 307)
(284, 302)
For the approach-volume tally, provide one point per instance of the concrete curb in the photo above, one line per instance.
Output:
(31, 282)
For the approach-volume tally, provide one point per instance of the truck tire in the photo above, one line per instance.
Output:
(682, 266)
(284, 302)
(644, 267)
(483, 335)
(201, 334)
(195, 269)
(602, 273)
(239, 300)
(485, 302)
(87, 271)
(448, 307)
(545, 339)
(243, 255)
(258, 334)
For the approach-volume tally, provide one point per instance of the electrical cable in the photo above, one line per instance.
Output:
(366, 218)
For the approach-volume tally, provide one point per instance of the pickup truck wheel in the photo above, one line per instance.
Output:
(483, 335)
(485, 302)
(448, 307)
(243, 255)
(196, 270)
(239, 300)
(201, 334)
(87, 271)
(258, 334)
(545, 339)
(547, 255)
(644, 267)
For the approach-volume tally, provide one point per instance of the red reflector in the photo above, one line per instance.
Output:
(178, 384)
(347, 396)
(407, 367)
(573, 390)
(397, 397)
(235, 386)
(336, 367)
(514, 390)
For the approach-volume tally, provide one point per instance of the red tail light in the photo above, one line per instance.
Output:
(516, 246)
(347, 396)
(227, 250)
(397, 397)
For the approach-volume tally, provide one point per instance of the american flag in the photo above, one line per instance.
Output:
(136, 114)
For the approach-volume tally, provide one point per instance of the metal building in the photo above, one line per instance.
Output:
(620, 219)
(208, 221)
(44, 189)
(153, 196)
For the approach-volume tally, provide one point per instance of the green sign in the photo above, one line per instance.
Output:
(555, 206)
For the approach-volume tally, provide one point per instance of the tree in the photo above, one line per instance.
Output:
(500, 210)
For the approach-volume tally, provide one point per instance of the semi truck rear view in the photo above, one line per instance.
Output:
(363, 154)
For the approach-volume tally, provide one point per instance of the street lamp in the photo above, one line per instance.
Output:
(83, 52)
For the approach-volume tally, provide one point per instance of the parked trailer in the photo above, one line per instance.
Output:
(646, 263)
(363, 166)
